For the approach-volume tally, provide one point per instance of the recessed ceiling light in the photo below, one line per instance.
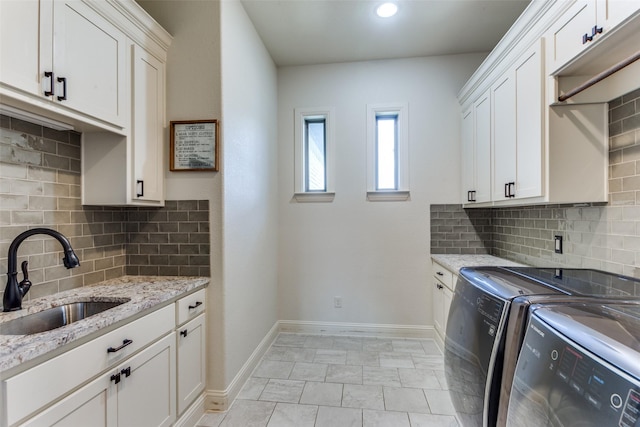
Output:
(386, 10)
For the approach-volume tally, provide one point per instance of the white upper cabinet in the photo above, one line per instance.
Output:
(127, 168)
(613, 12)
(530, 124)
(482, 134)
(517, 107)
(476, 152)
(148, 118)
(88, 62)
(569, 34)
(584, 24)
(20, 44)
(531, 156)
(503, 103)
(468, 156)
(65, 53)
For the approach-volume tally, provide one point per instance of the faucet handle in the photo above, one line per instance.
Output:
(25, 285)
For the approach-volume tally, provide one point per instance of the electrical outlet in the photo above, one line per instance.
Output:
(337, 302)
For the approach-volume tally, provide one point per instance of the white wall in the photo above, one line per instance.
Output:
(249, 202)
(218, 68)
(374, 255)
(193, 93)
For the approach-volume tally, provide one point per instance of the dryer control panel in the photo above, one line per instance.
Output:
(559, 383)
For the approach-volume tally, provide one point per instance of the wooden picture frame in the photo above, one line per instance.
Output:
(194, 146)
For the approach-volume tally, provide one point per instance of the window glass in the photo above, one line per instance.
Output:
(315, 155)
(386, 152)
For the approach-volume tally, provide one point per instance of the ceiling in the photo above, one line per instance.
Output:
(304, 32)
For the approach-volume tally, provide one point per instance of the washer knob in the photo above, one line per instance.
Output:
(616, 400)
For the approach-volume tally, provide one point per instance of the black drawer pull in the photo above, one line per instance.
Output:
(49, 75)
(115, 378)
(196, 305)
(439, 286)
(124, 344)
(140, 188)
(63, 80)
(184, 333)
(439, 273)
(126, 372)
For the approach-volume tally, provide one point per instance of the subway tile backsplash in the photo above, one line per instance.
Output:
(40, 187)
(602, 236)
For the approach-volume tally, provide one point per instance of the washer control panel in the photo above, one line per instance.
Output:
(558, 380)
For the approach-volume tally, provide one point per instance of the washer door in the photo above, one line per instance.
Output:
(472, 328)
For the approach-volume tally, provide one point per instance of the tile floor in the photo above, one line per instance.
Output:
(335, 381)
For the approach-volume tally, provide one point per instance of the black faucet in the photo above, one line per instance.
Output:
(14, 292)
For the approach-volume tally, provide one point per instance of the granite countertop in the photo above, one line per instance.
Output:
(455, 262)
(143, 292)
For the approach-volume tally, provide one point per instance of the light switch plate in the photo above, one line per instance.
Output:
(558, 244)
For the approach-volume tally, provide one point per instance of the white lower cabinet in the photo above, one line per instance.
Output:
(92, 405)
(438, 307)
(444, 282)
(139, 393)
(146, 389)
(191, 361)
(142, 374)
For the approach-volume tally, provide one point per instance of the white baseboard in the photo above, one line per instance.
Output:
(192, 414)
(358, 329)
(220, 400)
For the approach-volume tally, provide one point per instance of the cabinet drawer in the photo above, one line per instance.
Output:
(443, 275)
(190, 306)
(24, 393)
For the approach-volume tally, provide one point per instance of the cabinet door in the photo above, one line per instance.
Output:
(529, 119)
(566, 36)
(468, 155)
(148, 124)
(146, 397)
(89, 54)
(503, 99)
(25, 29)
(92, 405)
(482, 136)
(612, 12)
(191, 362)
(438, 307)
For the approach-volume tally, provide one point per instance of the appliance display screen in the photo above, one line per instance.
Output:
(559, 384)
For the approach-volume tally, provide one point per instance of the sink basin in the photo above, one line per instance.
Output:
(55, 317)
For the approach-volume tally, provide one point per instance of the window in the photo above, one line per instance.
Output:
(387, 153)
(315, 159)
(313, 155)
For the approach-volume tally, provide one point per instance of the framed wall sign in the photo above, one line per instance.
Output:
(194, 145)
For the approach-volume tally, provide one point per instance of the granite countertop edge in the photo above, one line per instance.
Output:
(143, 292)
(454, 263)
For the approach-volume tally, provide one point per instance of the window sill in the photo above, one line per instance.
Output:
(314, 197)
(388, 196)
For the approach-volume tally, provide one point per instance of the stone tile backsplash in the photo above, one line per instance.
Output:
(40, 187)
(456, 231)
(602, 236)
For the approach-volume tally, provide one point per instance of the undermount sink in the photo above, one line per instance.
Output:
(56, 317)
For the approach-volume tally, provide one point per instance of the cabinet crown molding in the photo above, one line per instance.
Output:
(529, 27)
